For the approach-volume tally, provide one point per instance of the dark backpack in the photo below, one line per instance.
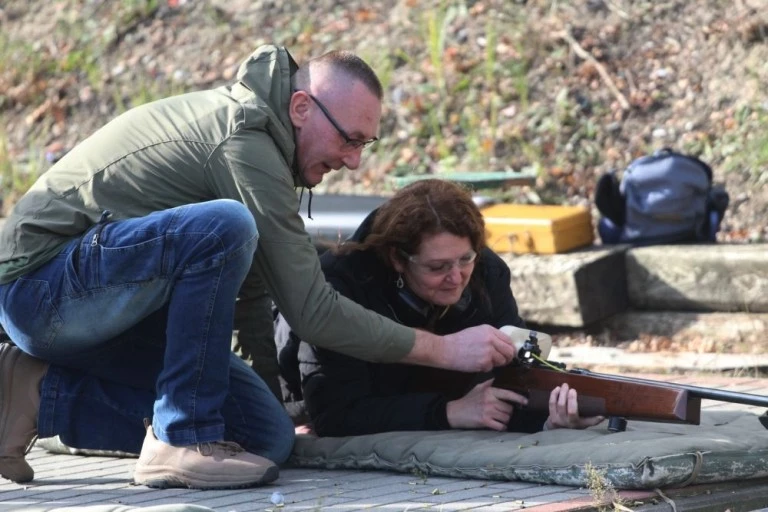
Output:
(663, 198)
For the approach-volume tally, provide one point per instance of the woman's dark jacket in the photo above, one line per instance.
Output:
(348, 396)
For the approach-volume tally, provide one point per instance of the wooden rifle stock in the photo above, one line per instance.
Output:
(619, 398)
(603, 395)
(616, 397)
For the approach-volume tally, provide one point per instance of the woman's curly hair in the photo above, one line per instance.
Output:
(424, 208)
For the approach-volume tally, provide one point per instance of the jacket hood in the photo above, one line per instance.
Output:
(264, 88)
(364, 229)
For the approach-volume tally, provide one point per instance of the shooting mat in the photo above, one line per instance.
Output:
(726, 446)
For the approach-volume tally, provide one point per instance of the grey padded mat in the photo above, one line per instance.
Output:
(726, 446)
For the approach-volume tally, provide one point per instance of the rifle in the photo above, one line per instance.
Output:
(616, 397)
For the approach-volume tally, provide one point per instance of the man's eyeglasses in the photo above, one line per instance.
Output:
(349, 143)
(441, 267)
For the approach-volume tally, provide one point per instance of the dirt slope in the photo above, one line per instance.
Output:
(566, 89)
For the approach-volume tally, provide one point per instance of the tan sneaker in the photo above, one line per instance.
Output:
(218, 465)
(20, 377)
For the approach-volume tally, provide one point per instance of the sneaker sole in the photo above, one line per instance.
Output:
(160, 479)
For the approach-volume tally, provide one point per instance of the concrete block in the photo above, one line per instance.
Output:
(572, 289)
(716, 277)
(742, 331)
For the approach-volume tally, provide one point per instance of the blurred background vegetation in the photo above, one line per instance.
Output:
(565, 90)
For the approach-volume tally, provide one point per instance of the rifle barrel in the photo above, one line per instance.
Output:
(720, 395)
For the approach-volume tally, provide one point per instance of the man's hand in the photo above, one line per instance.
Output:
(477, 349)
(564, 410)
(483, 407)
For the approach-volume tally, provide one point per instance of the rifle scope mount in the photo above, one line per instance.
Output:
(530, 350)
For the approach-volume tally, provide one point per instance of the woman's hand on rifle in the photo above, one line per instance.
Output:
(484, 407)
(564, 410)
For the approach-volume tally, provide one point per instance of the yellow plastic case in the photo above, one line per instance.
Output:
(539, 229)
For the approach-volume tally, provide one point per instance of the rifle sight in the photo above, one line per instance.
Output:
(530, 350)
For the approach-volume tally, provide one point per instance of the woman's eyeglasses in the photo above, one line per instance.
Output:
(441, 267)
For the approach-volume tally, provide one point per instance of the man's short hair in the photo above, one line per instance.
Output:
(345, 62)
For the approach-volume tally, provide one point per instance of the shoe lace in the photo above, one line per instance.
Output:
(208, 449)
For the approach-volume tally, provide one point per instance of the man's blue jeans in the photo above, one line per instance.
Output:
(136, 319)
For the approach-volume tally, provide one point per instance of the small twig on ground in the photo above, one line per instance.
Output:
(618, 10)
(630, 82)
(669, 501)
(584, 54)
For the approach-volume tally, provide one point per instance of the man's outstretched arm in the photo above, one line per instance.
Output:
(476, 349)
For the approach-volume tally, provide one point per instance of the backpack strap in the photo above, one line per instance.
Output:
(717, 202)
(704, 166)
(609, 200)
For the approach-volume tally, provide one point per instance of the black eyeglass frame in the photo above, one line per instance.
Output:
(349, 142)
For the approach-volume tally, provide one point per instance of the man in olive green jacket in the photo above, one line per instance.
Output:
(122, 268)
